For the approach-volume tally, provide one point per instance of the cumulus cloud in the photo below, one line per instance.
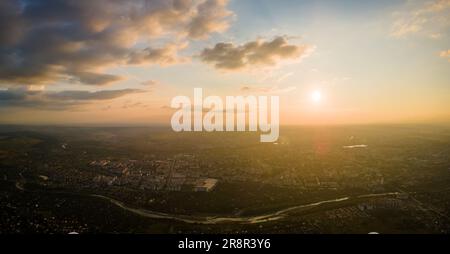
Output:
(45, 41)
(428, 18)
(259, 53)
(162, 56)
(212, 16)
(22, 97)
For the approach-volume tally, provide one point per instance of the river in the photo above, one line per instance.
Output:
(276, 215)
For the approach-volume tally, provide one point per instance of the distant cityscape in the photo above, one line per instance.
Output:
(314, 180)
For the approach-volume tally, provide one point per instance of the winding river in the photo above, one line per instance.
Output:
(272, 216)
(276, 215)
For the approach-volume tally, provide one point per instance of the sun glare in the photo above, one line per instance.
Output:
(316, 96)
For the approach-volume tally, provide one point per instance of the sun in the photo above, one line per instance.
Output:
(316, 96)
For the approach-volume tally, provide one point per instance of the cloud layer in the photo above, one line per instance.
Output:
(259, 53)
(39, 99)
(46, 41)
(430, 19)
(267, 89)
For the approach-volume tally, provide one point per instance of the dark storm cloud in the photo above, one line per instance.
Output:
(21, 97)
(11, 95)
(45, 41)
(10, 22)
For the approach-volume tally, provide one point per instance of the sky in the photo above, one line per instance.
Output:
(121, 62)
